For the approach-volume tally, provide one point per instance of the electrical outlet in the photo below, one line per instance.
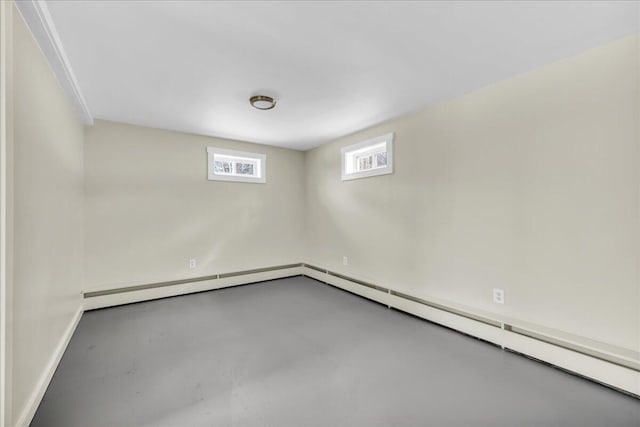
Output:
(345, 260)
(192, 263)
(498, 296)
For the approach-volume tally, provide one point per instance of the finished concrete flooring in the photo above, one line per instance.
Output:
(296, 352)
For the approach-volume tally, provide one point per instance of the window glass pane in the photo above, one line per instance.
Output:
(222, 167)
(217, 166)
(244, 169)
(364, 163)
(381, 159)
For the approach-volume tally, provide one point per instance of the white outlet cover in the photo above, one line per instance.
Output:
(345, 260)
(498, 296)
(192, 263)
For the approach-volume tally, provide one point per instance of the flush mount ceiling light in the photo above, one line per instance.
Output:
(262, 102)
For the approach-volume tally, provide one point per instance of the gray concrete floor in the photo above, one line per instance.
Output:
(295, 352)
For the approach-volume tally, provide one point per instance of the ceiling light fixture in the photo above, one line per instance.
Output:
(262, 102)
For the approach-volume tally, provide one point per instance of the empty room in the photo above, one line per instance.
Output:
(319, 213)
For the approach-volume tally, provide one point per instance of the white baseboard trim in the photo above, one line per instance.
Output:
(27, 414)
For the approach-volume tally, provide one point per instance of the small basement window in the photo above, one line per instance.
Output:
(240, 166)
(368, 158)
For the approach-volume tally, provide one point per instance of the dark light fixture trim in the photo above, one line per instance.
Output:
(262, 102)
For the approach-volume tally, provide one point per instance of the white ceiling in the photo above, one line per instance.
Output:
(334, 67)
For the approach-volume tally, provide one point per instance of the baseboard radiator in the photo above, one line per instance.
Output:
(94, 294)
(615, 371)
(144, 292)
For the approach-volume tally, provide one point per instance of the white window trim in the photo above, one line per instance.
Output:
(388, 138)
(261, 158)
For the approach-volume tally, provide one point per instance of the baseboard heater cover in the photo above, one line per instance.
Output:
(259, 270)
(451, 310)
(359, 282)
(573, 347)
(93, 294)
(570, 372)
(313, 267)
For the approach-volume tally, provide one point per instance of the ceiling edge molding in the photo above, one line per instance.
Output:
(36, 15)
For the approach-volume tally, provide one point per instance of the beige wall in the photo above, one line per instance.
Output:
(48, 219)
(531, 185)
(150, 208)
(6, 208)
